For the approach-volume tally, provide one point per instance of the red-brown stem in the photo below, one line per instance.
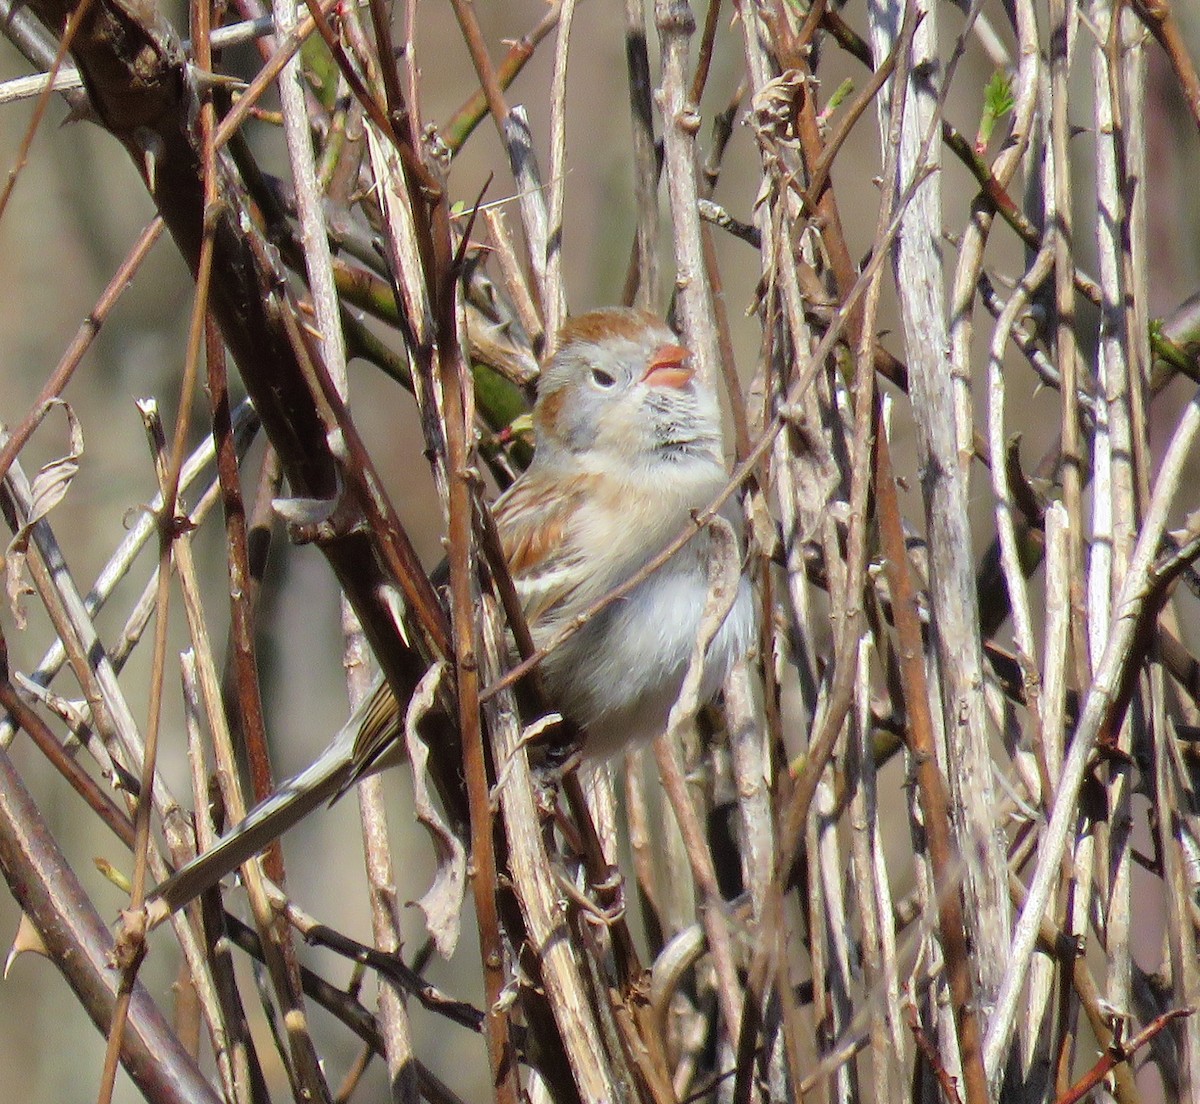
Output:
(82, 341)
(930, 1052)
(385, 51)
(170, 493)
(258, 540)
(1160, 19)
(704, 55)
(247, 716)
(1117, 1054)
(265, 78)
(441, 274)
(414, 167)
(43, 101)
(812, 20)
(485, 881)
(395, 546)
(459, 127)
(136, 950)
(846, 121)
(81, 782)
(733, 386)
(464, 11)
(931, 786)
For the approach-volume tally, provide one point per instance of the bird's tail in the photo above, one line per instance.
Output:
(265, 823)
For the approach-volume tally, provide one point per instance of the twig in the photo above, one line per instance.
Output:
(71, 358)
(69, 79)
(929, 1051)
(554, 963)
(513, 128)
(954, 613)
(456, 130)
(514, 280)
(115, 818)
(1118, 1053)
(1119, 460)
(462, 573)
(554, 299)
(289, 44)
(1100, 715)
(140, 530)
(1160, 19)
(74, 22)
(281, 961)
(681, 120)
(237, 1061)
(645, 159)
(81, 947)
(723, 587)
(931, 786)
(132, 947)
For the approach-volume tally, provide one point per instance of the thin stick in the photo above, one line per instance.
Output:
(462, 124)
(64, 47)
(741, 472)
(134, 947)
(84, 336)
(266, 76)
(681, 120)
(1117, 1054)
(645, 160)
(554, 303)
(1102, 705)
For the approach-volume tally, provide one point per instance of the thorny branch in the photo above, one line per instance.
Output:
(1034, 689)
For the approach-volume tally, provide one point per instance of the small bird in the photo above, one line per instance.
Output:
(627, 447)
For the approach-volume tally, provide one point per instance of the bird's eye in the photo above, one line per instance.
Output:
(601, 378)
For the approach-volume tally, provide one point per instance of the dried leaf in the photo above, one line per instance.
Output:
(47, 490)
(51, 482)
(442, 903)
(15, 585)
(773, 111)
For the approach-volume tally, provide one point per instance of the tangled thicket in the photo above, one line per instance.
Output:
(939, 838)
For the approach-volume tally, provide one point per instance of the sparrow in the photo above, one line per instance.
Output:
(627, 448)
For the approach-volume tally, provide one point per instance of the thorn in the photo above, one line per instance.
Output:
(205, 80)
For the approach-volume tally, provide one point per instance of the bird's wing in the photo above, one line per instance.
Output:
(539, 531)
(380, 722)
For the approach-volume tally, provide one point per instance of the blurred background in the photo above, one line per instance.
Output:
(78, 207)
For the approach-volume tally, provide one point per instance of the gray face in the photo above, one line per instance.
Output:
(595, 397)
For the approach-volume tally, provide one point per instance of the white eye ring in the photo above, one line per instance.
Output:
(601, 378)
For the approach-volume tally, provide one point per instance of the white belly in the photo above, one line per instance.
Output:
(619, 676)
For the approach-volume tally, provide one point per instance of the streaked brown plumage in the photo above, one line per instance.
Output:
(628, 446)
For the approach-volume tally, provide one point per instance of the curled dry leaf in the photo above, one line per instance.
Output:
(46, 491)
(442, 903)
(773, 109)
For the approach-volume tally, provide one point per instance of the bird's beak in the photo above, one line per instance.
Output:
(669, 368)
